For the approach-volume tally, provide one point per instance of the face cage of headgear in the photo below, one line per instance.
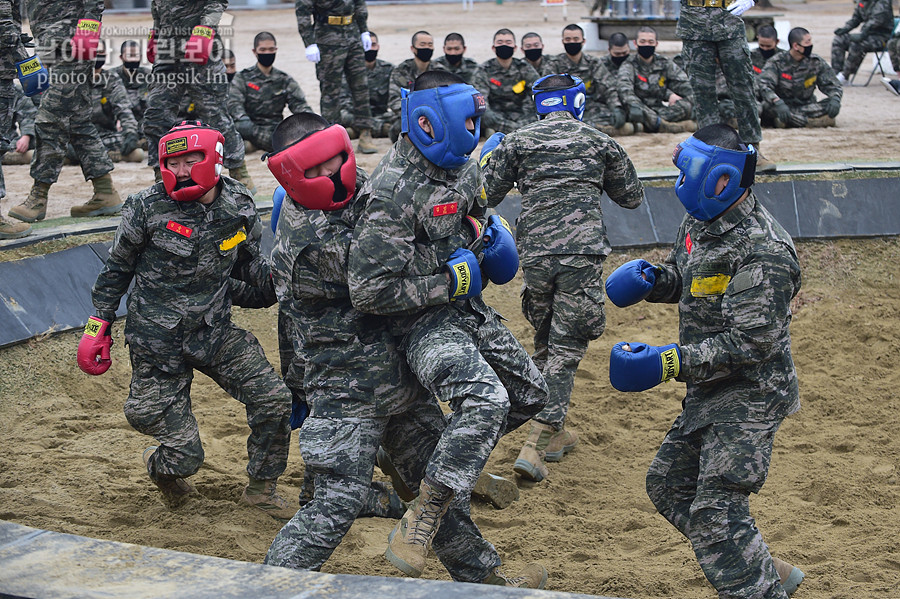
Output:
(185, 138)
(701, 166)
(447, 108)
(289, 167)
(570, 98)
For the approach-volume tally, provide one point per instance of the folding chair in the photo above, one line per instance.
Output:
(877, 67)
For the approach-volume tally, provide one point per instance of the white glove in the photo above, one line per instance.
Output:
(366, 38)
(739, 7)
(312, 51)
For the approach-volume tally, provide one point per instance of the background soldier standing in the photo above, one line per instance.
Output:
(379, 80)
(12, 51)
(336, 37)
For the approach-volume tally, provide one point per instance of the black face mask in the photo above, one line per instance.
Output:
(453, 59)
(767, 54)
(504, 52)
(266, 60)
(534, 54)
(618, 60)
(807, 50)
(230, 76)
(646, 51)
(424, 54)
(371, 55)
(131, 65)
(573, 48)
(99, 61)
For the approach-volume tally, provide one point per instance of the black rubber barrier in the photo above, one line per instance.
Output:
(36, 563)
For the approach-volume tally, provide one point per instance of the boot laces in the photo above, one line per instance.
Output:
(511, 581)
(425, 524)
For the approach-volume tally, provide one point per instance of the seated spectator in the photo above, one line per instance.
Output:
(506, 84)
(618, 53)
(403, 75)
(454, 59)
(533, 49)
(875, 19)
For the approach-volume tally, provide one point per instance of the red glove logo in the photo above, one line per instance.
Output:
(199, 45)
(93, 349)
(86, 39)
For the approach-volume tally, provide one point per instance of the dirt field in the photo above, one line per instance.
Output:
(71, 463)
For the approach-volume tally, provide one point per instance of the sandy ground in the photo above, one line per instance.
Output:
(71, 463)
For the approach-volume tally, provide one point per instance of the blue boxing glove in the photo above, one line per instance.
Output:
(492, 142)
(34, 76)
(627, 286)
(500, 261)
(277, 200)
(465, 274)
(638, 366)
(299, 412)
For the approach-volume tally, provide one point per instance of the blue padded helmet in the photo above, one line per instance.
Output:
(701, 166)
(553, 97)
(447, 107)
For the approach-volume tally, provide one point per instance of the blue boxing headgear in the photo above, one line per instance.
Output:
(447, 109)
(701, 166)
(553, 98)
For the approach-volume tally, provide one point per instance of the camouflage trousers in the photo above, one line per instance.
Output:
(113, 141)
(257, 134)
(7, 125)
(700, 65)
(207, 86)
(159, 403)
(340, 452)
(679, 111)
(506, 122)
(471, 361)
(563, 301)
(336, 63)
(598, 115)
(65, 116)
(800, 113)
(846, 55)
(893, 49)
(381, 123)
(701, 482)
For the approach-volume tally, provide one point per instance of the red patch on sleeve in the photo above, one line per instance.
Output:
(787, 76)
(179, 228)
(642, 78)
(688, 244)
(757, 69)
(252, 85)
(496, 82)
(444, 209)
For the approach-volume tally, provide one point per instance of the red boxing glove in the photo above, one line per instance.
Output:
(93, 349)
(199, 45)
(86, 39)
(151, 46)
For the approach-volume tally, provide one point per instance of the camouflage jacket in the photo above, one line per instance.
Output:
(137, 86)
(561, 166)
(24, 112)
(612, 67)
(53, 21)
(652, 83)
(795, 81)
(465, 69)
(875, 16)
(262, 97)
(733, 279)
(111, 104)
(11, 48)
(598, 81)
(507, 91)
(711, 24)
(174, 20)
(312, 20)
(411, 223)
(402, 77)
(759, 61)
(379, 78)
(352, 366)
(180, 256)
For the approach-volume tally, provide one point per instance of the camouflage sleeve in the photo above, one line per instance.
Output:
(620, 181)
(121, 104)
(625, 85)
(380, 274)
(25, 111)
(855, 18)
(248, 296)
(881, 19)
(755, 308)
(93, 10)
(768, 82)
(234, 100)
(605, 87)
(530, 74)
(678, 81)
(305, 12)
(251, 267)
(296, 101)
(212, 12)
(397, 82)
(9, 28)
(361, 15)
(827, 81)
(154, 14)
(500, 172)
(667, 288)
(117, 273)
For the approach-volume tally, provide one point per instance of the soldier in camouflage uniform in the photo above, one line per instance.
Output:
(18, 137)
(188, 64)
(562, 244)
(533, 49)
(65, 112)
(654, 90)
(767, 38)
(875, 19)
(360, 390)
(379, 78)
(618, 53)
(602, 108)
(414, 215)
(454, 59)
(135, 77)
(12, 50)
(181, 251)
(258, 95)
(506, 82)
(788, 86)
(733, 271)
(403, 75)
(336, 36)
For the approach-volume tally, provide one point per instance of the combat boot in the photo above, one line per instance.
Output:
(763, 164)
(174, 490)
(105, 201)
(533, 576)
(387, 467)
(115, 155)
(34, 207)
(530, 463)
(18, 158)
(410, 541)
(790, 576)
(365, 145)
(261, 495)
(352, 133)
(240, 173)
(11, 230)
(499, 491)
(560, 443)
(821, 121)
(136, 155)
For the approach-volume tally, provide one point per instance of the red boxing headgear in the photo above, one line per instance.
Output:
(192, 136)
(290, 165)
